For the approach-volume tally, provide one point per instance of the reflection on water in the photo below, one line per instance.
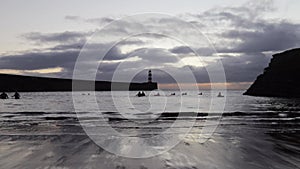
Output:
(42, 131)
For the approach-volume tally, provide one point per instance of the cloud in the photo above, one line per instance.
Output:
(41, 60)
(156, 55)
(72, 17)
(245, 28)
(62, 37)
(67, 47)
(181, 50)
(240, 34)
(98, 21)
(244, 68)
(269, 37)
(185, 50)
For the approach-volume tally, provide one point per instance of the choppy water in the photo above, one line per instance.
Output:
(42, 130)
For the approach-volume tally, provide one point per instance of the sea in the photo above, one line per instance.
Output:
(118, 130)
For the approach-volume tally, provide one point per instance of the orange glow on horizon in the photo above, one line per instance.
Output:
(38, 71)
(207, 86)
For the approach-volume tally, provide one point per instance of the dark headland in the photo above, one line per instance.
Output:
(281, 78)
(11, 83)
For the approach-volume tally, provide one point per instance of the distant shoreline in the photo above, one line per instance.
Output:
(20, 83)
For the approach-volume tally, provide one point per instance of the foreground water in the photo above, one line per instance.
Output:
(43, 130)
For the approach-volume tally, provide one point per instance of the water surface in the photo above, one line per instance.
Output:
(42, 130)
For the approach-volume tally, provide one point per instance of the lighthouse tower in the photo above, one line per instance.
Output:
(149, 76)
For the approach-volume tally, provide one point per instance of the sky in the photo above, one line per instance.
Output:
(44, 38)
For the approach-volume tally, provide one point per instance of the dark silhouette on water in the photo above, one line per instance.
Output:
(3, 95)
(17, 95)
(220, 95)
(280, 78)
(141, 94)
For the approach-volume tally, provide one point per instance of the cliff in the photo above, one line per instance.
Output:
(281, 78)
(10, 83)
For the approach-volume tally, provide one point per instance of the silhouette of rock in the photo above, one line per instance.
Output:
(281, 78)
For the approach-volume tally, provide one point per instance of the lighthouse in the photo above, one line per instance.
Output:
(149, 76)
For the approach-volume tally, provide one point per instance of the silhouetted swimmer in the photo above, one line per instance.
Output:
(172, 94)
(17, 95)
(220, 95)
(3, 95)
(200, 94)
(183, 94)
(141, 94)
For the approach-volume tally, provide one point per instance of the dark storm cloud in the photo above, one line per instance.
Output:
(32, 61)
(156, 55)
(185, 50)
(244, 31)
(244, 68)
(114, 54)
(247, 30)
(62, 56)
(270, 37)
(147, 57)
(67, 47)
(181, 50)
